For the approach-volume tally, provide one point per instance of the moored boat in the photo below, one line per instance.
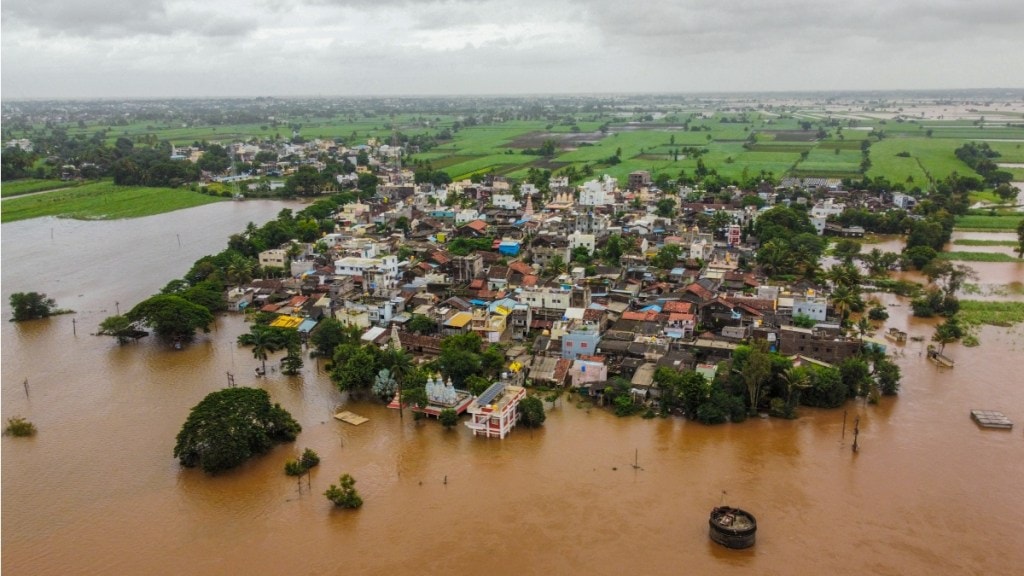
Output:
(732, 527)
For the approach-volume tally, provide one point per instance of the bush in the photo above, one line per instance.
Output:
(294, 468)
(878, 313)
(20, 427)
(532, 410)
(309, 458)
(344, 495)
(448, 417)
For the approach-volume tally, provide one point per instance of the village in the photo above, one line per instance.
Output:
(578, 286)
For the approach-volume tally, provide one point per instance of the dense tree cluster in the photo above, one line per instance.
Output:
(230, 426)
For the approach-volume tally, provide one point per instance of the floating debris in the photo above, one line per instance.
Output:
(991, 419)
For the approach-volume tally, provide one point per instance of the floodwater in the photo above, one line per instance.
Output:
(98, 492)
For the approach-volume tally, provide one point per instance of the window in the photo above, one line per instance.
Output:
(583, 344)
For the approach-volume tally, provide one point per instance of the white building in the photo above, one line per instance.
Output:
(356, 266)
(505, 201)
(598, 192)
(544, 297)
(587, 241)
(827, 208)
(813, 306)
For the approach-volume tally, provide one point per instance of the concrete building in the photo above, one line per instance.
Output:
(577, 240)
(273, 258)
(581, 340)
(495, 412)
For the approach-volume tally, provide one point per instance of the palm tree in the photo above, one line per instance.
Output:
(263, 341)
(863, 326)
(844, 299)
(796, 378)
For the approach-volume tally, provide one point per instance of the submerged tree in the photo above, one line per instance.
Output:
(344, 494)
(31, 306)
(171, 316)
(230, 426)
(948, 332)
(532, 410)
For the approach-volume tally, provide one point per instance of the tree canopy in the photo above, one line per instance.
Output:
(230, 426)
(31, 305)
(171, 316)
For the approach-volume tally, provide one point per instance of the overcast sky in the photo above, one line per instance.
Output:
(180, 48)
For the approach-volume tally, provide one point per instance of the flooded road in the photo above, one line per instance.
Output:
(98, 492)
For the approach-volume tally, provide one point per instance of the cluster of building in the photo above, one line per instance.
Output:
(575, 326)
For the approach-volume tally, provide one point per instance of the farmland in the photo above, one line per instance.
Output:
(102, 201)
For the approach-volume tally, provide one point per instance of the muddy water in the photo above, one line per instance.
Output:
(97, 491)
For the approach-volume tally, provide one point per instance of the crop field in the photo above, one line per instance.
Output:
(102, 201)
(988, 223)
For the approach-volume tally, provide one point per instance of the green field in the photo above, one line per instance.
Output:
(974, 312)
(31, 185)
(974, 242)
(102, 201)
(988, 223)
(977, 256)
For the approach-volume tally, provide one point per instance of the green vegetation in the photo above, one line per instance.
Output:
(32, 306)
(102, 201)
(171, 317)
(344, 493)
(977, 256)
(974, 242)
(532, 410)
(32, 185)
(1006, 222)
(976, 312)
(19, 427)
(303, 464)
(230, 426)
(449, 418)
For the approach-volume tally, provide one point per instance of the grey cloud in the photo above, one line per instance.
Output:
(112, 19)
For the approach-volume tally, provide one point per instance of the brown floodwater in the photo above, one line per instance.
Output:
(98, 492)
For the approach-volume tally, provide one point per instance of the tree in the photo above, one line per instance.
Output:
(264, 340)
(344, 494)
(460, 357)
(667, 256)
(846, 249)
(948, 332)
(449, 418)
(665, 207)
(422, 324)
(757, 367)
(171, 316)
(31, 306)
(846, 298)
(230, 426)
(355, 367)
(532, 410)
(292, 362)
(797, 379)
(329, 333)
(1020, 239)
(121, 328)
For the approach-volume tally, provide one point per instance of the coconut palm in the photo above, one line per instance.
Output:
(796, 378)
(844, 299)
(263, 341)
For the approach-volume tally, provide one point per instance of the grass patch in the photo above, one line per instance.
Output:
(31, 185)
(102, 201)
(977, 312)
(988, 223)
(977, 256)
(975, 242)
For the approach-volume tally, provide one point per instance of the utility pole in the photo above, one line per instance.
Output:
(231, 380)
(74, 328)
(856, 432)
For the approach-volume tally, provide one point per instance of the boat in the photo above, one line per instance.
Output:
(732, 527)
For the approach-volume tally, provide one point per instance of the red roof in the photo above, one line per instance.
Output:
(477, 284)
(520, 268)
(648, 316)
(678, 306)
(530, 280)
(478, 225)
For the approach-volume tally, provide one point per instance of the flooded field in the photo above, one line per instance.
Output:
(98, 492)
